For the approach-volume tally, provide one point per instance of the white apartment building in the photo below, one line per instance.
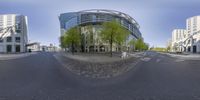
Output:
(177, 36)
(189, 40)
(193, 29)
(13, 33)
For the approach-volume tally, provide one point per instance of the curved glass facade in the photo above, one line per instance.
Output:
(68, 20)
(95, 18)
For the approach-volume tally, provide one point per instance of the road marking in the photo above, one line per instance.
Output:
(162, 56)
(179, 60)
(158, 60)
(146, 59)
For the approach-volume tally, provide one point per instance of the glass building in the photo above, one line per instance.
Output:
(90, 21)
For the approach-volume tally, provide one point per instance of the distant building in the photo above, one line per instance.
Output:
(193, 29)
(35, 46)
(187, 40)
(50, 48)
(178, 35)
(13, 33)
(44, 48)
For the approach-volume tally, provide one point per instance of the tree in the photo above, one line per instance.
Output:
(132, 44)
(168, 48)
(146, 46)
(159, 49)
(90, 38)
(63, 42)
(91, 34)
(169, 44)
(121, 36)
(140, 45)
(113, 32)
(72, 38)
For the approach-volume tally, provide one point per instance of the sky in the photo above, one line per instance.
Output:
(157, 18)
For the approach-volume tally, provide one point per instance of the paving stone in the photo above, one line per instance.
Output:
(99, 69)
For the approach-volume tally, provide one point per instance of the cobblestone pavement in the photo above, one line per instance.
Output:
(155, 77)
(100, 67)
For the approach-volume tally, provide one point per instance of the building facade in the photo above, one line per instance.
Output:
(35, 46)
(13, 33)
(91, 21)
(50, 48)
(177, 36)
(189, 39)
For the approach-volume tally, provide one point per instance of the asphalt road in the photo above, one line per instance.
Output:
(155, 77)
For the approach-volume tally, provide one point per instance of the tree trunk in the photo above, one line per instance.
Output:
(119, 47)
(111, 42)
(65, 49)
(72, 46)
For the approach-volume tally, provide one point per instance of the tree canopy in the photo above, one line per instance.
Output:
(132, 43)
(140, 45)
(71, 38)
(113, 32)
(62, 42)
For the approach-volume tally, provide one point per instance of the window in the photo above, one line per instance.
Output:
(188, 41)
(17, 48)
(9, 48)
(9, 39)
(18, 28)
(94, 18)
(18, 31)
(17, 39)
(1, 40)
(194, 40)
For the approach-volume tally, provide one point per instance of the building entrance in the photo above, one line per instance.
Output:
(194, 49)
(17, 48)
(9, 48)
(189, 49)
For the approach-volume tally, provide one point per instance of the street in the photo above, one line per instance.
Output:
(156, 77)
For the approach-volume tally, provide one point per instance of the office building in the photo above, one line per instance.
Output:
(177, 36)
(187, 40)
(13, 33)
(93, 19)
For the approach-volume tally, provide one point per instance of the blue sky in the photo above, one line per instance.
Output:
(157, 18)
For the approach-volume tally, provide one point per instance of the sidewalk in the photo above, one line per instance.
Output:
(185, 56)
(100, 57)
(97, 65)
(15, 56)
